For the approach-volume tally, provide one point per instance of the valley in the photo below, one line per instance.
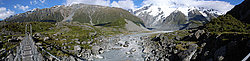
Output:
(153, 32)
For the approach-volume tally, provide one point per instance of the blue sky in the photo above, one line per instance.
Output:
(11, 7)
(233, 2)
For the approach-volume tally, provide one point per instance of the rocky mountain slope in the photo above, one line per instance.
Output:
(90, 32)
(175, 17)
(222, 39)
(92, 14)
(68, 32)
(241, 11)
(198, 45)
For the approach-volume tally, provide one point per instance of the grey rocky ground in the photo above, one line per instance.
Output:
(185, 45)
(123, 47)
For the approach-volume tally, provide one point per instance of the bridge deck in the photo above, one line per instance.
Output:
(27, 51)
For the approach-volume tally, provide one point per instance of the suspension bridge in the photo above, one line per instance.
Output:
(26, 50)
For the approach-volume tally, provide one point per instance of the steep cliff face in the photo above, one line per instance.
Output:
(174, 21)
(241, 11)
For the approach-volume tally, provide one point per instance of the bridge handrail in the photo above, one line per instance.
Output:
(5, 51)
(245, 59)
(8, 50)
(49, 53)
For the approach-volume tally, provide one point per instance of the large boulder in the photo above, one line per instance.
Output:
(198, 33)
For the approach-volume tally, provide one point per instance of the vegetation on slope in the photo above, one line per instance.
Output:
(101, 15)
(11, 32)
(73, 34)
(60, 34)
(81, 13)
(224, 37)
(226, 23)
(20, 27)
(43, 15)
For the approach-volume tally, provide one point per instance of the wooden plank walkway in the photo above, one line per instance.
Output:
(27, 51)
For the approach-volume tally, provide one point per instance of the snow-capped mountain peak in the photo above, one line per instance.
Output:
(178, 13)
(154, 10)
(154, 15)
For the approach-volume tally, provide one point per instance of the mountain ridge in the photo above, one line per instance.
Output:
(156, 17)
(93, 14)
(241, 11)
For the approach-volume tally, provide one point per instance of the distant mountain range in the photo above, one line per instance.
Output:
(93, 14)
(153, 17)
(175, 17)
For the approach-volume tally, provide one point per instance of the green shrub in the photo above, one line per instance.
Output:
(225, 23)
(36, 26)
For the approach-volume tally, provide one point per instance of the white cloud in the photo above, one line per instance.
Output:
(125, 4)
(42, 1)
(34, 2)
(92, 2)
(24, 8)
(31, 2)
(218, 5)
(210, 4)
(4, 13)
(129, 4)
